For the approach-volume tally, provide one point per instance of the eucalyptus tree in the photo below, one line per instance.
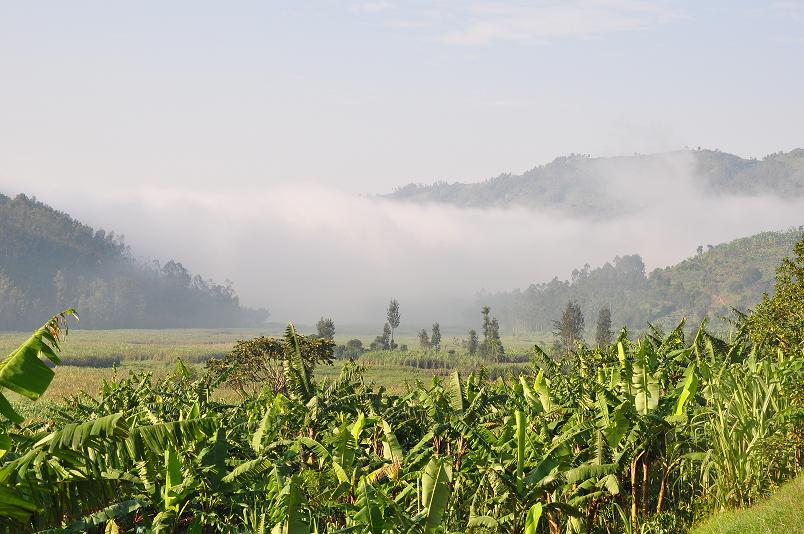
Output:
(603, 327)
(326, 328)
(435, 338)
(393, 318)
(472, 342)
(568, 330)
(492, 346)
(424, 339)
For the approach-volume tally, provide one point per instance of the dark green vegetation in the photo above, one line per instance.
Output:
(48, 260)
(581, 185)
(710, 284)
(643, 435)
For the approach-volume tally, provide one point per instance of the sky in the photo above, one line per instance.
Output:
(199, 129)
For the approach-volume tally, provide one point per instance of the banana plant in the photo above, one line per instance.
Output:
(24, 372)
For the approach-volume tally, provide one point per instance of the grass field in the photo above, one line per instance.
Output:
(781, 513)
(90, 356)
(97, 348)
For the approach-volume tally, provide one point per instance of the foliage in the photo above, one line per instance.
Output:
(424, 339)
(472, 341)
(644, 435)
(777, 320)
(492, 344)
(260, 362)
(393, 318)
(435, 337)
(641, 435)
(603, 327)
(326, 328)
(352, 349)
(383, 342)
(730, 275)
(24, 372)
(568, 330)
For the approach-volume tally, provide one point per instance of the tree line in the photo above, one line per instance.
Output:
(708, 284)
(490, 346)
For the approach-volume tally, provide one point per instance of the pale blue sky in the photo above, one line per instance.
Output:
(364, 96)
(231, 135)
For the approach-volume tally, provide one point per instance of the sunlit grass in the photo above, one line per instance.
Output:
(91, 356)
(781, 513)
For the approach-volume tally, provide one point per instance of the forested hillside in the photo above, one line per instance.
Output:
(716, 279)
(48, 260)
(583, 186)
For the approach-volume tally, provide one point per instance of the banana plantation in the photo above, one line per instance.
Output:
(648, 434)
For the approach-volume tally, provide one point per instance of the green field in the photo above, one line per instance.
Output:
(90, 356)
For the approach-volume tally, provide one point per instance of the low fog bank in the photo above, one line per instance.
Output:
(309, 250)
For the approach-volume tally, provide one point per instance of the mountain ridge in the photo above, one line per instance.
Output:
(582, 185)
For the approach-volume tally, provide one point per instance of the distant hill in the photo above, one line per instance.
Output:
(582, 185)
(49, 261)
(730, 275)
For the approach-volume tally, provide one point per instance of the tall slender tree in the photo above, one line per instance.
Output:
(393, 318)
(435, 339)
(326, 328)
(568, 329)
(497, 349)
(492, 344)
(471, 343)
(424, 339)
(387, 337)
(603, 328)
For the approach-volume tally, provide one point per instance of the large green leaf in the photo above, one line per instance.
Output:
(585, 472)
(296, 373)
(454, 390)
(250, 470)
(155, 439)
(645, 387)
(292, 499)
(368, 511)
(521, 429)
(392, 450)
(345, 447)
(24, 372)
(688, 389)
(436, 490)
(532, 518)
(77, 436)
(14, 506)
(529, 394)
(262, 428)
(540, 385)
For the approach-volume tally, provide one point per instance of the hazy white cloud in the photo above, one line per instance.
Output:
(307, 250)
(372, 7)
(532, 23)
(214, 110)
(789, 6)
